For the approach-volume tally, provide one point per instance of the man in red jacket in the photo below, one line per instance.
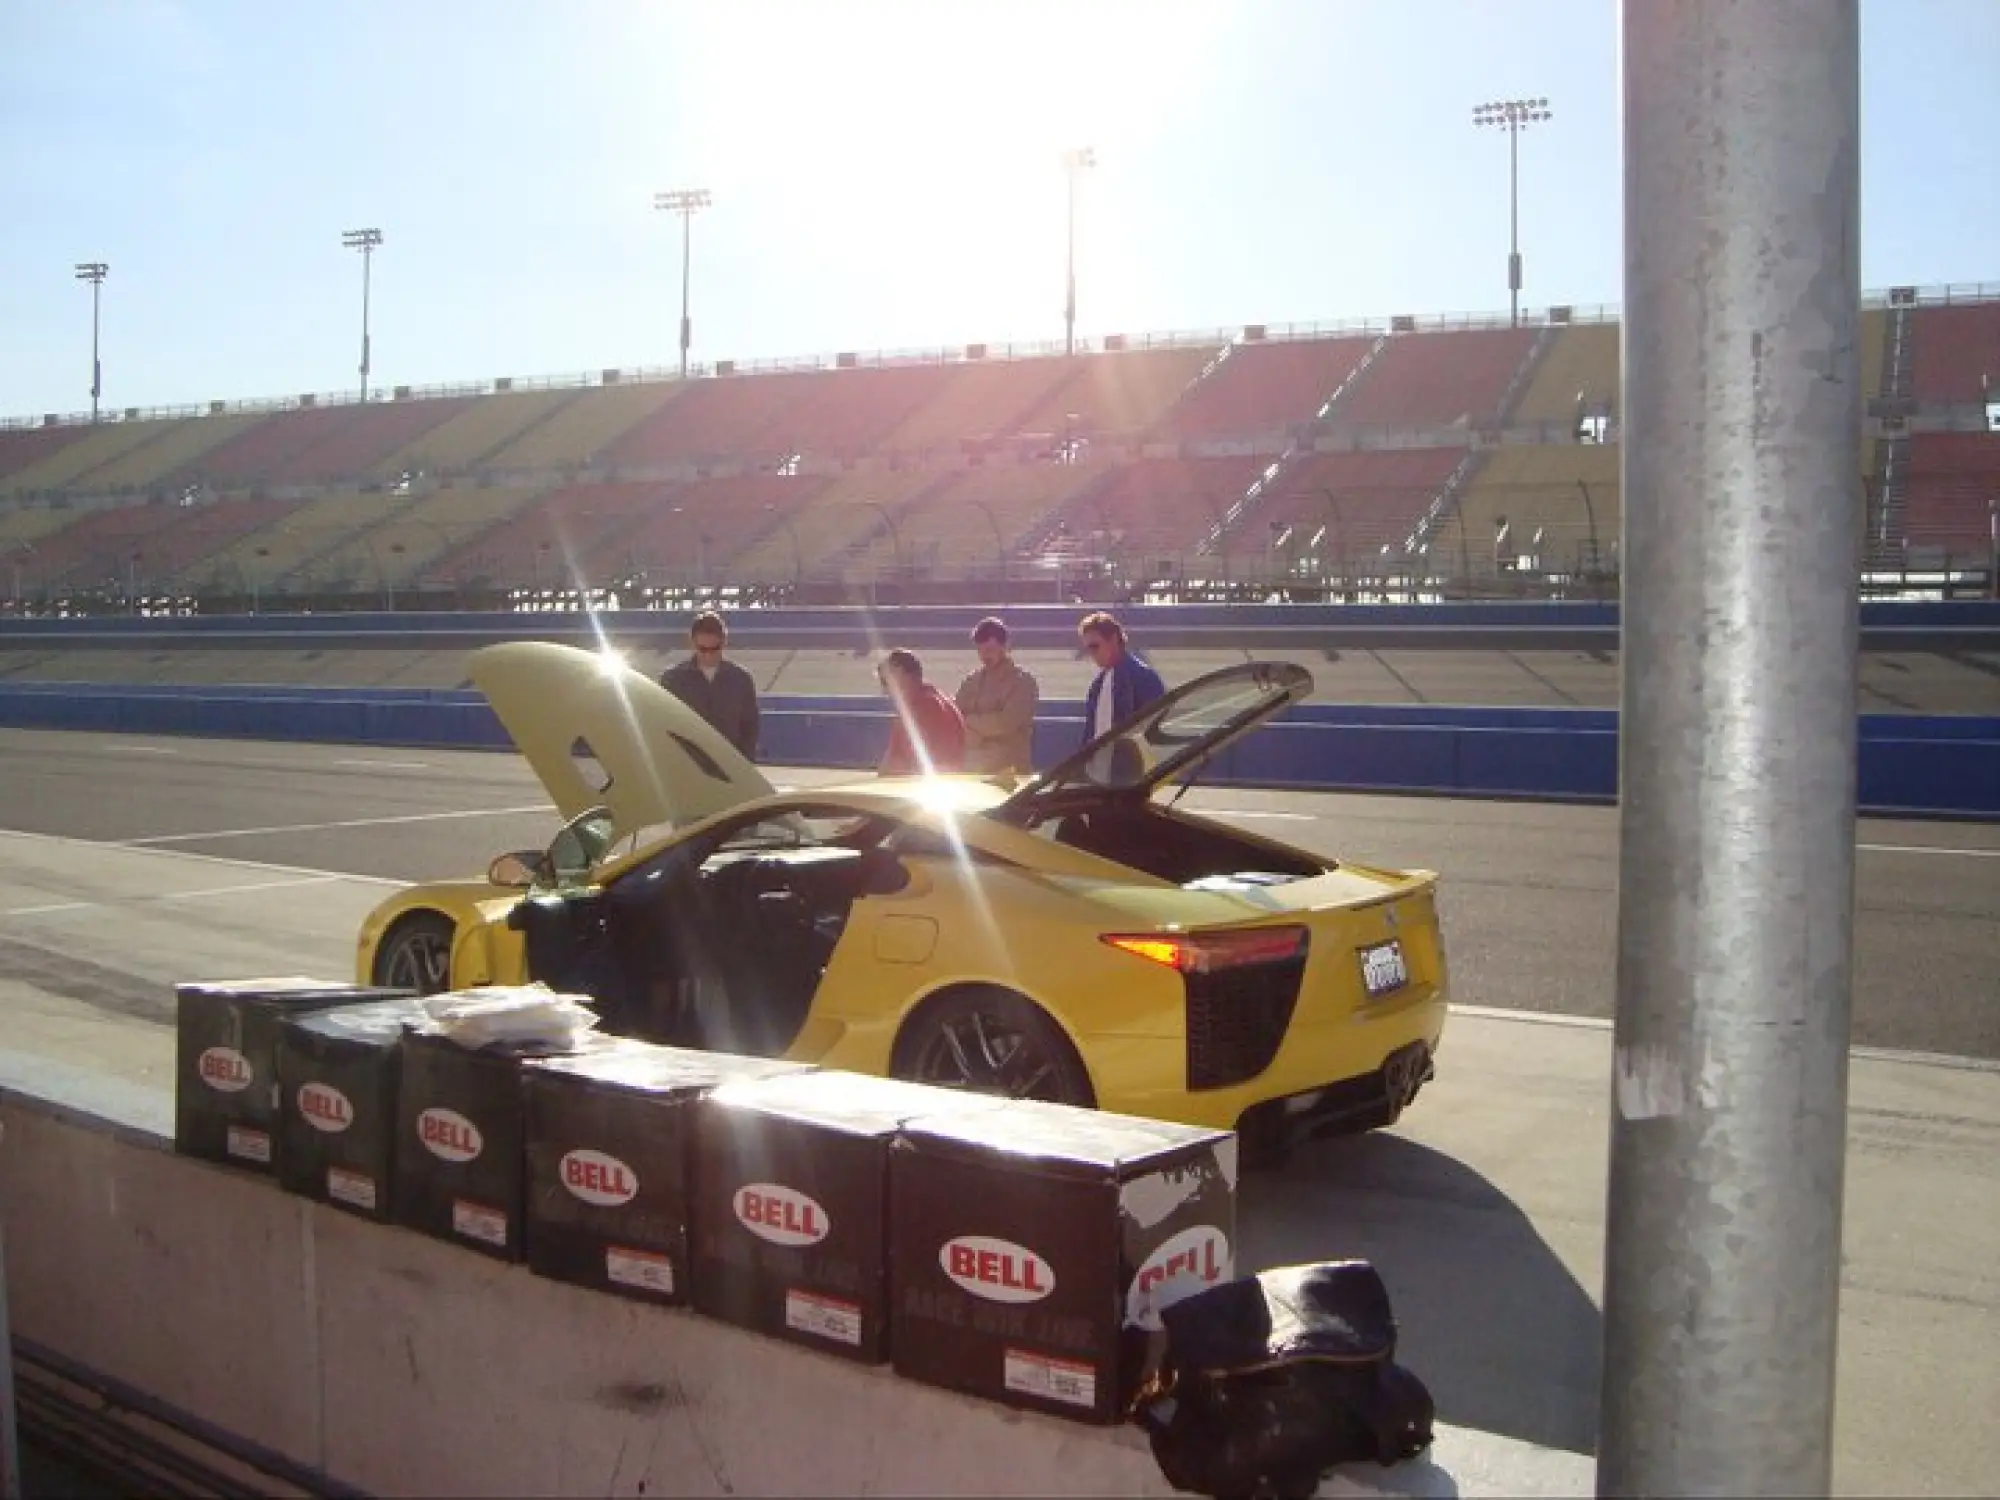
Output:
(930, 732)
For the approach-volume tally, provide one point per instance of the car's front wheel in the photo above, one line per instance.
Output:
(415, 954)
(992, 1041)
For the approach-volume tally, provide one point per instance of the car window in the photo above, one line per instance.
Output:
(796, 829)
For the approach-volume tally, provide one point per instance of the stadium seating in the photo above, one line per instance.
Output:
(952, 527)
(1437, 379)
(169, 448)
(479, 429)
(1540, 487)
(1264, 387)
(674, 480)
(1156, 507)
(23, 447)
(579, 434)
(396, 550)
(553, 541)
(1581, 359)
(1950, 490)
(1124, 393)
(1365, 500)
(99, 445)
(695, 531)
(977, 399)
(1954, 351)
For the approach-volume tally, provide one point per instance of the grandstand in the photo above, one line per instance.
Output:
(1472, 455)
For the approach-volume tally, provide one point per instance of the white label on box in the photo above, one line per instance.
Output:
(824, 1317)
(639, 1268)
(345, 1185)
(478, 1222)
(1051, 1379)
(251, 1145)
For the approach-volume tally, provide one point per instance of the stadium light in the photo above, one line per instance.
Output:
(1513, 116)
(686, 202)
(94, 272)
(1074, 161)
(364, 240)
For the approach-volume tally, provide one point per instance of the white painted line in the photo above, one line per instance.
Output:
(145, 749)
(387, 765)
(1604, 1023)
(246, 833)
(218, 890)
(1252, 812)
(104, 847)
(1929, 849)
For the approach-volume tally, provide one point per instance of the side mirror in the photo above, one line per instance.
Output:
(518, 869)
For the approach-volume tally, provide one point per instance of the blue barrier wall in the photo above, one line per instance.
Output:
(1926, 766)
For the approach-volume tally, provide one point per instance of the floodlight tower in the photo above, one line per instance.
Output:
(364, 240)
(1513, 116)
(94, 272)
(686, 202)
(1074, 161)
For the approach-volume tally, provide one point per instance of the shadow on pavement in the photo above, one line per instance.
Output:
(1490, 1318)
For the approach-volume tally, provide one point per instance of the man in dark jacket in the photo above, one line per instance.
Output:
(1124, 684)
(720, 691)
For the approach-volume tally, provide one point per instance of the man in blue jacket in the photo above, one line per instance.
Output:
(1131, 684)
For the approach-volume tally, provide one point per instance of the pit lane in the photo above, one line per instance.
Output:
(134, 862)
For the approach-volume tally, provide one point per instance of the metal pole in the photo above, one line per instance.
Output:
(96, 362)
(367, 264)
(1069, 306)
(687, 253)
(1740, 637)
(1514, 223)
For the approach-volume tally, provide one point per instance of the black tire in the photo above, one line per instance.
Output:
(415, 954)
(992, 1041)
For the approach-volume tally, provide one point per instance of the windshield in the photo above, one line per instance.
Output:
(1176, 732)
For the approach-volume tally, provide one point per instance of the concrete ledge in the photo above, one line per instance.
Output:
(404, 1366)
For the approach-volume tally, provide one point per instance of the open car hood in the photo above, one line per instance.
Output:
(599, 733)
(1169, 737)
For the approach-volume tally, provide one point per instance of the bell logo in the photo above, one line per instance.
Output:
(998, 1270)
(325, 1108)
(1184, 1264)
(224, 1068)
(781, 1215)
(599, 1180)
(448, 1135)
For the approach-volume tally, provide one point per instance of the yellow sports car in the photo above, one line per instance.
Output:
(1070, 938)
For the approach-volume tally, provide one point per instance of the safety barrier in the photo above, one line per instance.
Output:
(300, 1349)
(1908, 765)
(1467, 626)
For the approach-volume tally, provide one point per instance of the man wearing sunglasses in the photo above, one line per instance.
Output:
(720, 691)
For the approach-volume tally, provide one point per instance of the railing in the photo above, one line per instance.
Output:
(1946, 295)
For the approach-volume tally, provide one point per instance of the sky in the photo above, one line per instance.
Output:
(884, 176)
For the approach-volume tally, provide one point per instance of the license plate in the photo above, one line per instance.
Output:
(1383, 968)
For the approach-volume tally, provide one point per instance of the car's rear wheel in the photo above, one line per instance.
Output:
(415, 954)
(991, 1041)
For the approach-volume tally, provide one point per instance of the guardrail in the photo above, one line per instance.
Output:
(1463, 626)
(1909, 765)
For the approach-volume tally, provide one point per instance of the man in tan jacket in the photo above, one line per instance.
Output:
(998, 703)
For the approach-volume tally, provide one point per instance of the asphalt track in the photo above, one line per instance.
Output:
(127, 863)
(1529, 890)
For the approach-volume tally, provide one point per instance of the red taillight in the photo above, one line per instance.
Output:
(1205, 952)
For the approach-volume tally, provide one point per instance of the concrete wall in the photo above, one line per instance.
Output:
(1909, 765)
(405, 1366)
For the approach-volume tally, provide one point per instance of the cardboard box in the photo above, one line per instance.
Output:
(609, 1146)
(791, 1181)
(226, 1064)
(460, 1158)
(1033, 1246)
(338, 1076)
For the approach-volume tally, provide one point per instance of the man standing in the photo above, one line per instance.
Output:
(720, 691)
(998, 703)
(929, 736)
(1124, 683)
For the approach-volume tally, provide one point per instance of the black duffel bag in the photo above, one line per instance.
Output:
(1267, 1382)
